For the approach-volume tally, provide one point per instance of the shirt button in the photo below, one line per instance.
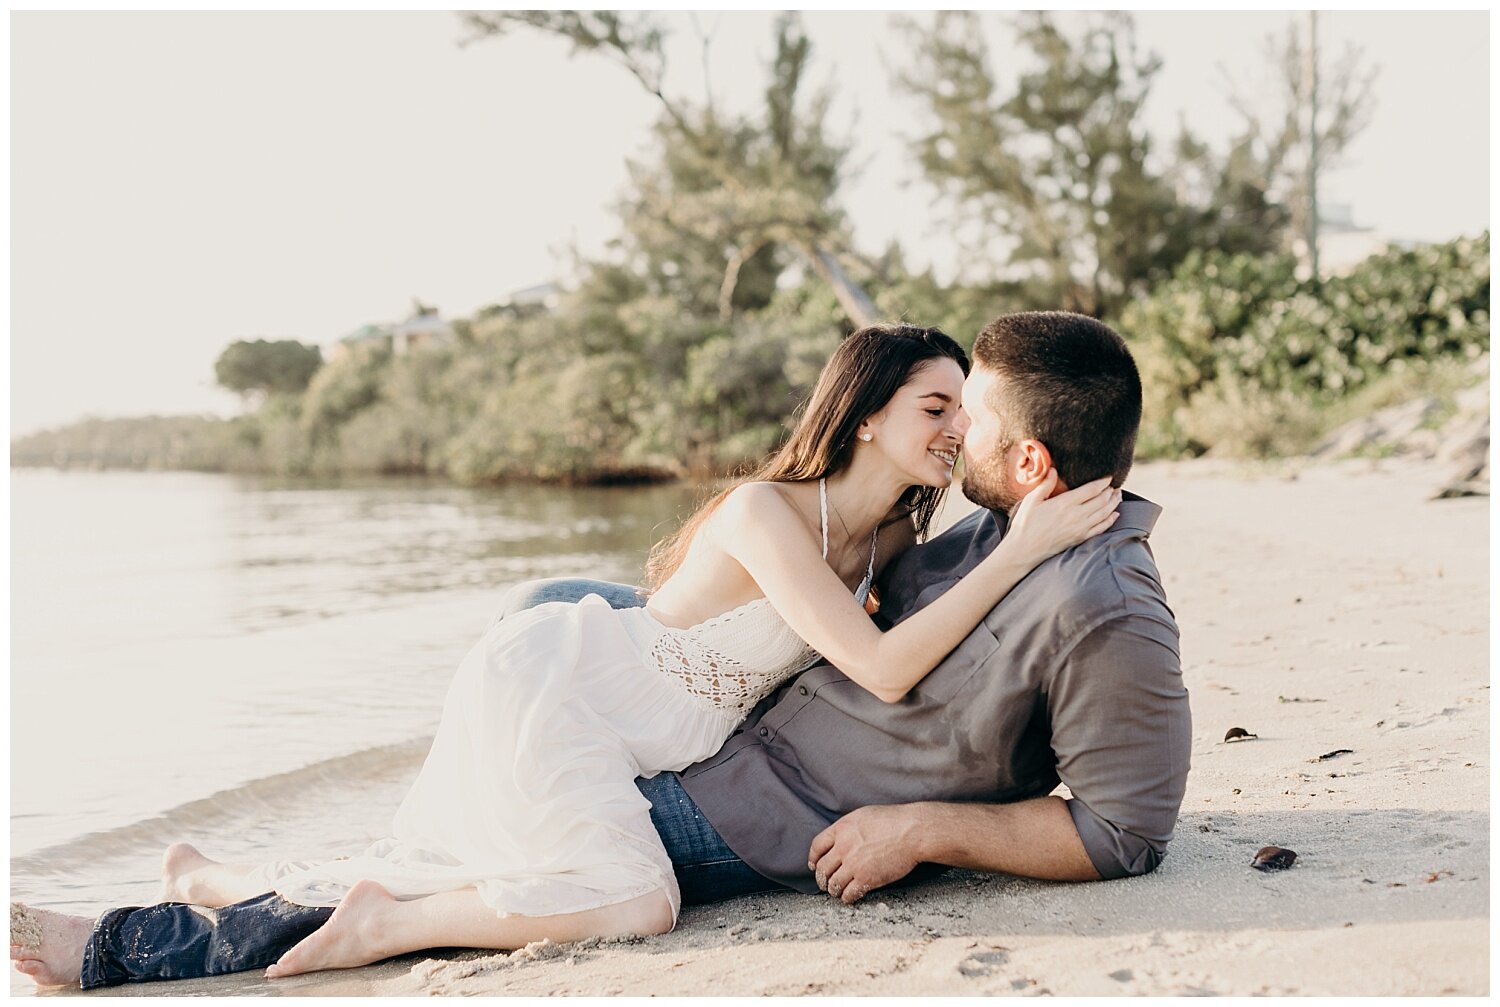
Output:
(764, 732)
(801, 690)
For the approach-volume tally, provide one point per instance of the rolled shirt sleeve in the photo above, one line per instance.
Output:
(1122, 736)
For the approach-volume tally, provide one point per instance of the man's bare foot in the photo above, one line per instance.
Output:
(48, 946)
(354, 935)
(183, 871)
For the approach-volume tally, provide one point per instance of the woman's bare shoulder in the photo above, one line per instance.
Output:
(771, 494)
(777, 505)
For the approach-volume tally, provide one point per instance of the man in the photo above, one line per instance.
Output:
(1074, 677)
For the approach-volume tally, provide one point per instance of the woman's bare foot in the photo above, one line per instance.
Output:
(189, 876)
(182, 870)
(354, 935)
(48, 946)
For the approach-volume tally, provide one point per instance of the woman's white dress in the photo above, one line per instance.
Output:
(528, 793)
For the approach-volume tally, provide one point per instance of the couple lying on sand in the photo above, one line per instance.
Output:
(750, 726)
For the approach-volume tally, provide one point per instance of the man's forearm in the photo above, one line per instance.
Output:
(878, 845)
(1033, 839)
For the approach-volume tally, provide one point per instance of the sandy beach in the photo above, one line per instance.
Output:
(1323, 607)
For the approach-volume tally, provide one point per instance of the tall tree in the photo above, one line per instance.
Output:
(1059, 169)
(266, 367)
(1279, 115)
(754, 190)
(1059, 172)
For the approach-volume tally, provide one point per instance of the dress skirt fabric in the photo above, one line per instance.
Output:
(528, 793)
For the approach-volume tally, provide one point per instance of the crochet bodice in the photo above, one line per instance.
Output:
(737, 658)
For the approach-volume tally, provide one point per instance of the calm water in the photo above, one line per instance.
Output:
(250, 665)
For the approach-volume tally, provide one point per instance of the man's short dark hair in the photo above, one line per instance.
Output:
(1070, 382)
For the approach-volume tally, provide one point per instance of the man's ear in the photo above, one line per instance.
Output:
(1032, 462)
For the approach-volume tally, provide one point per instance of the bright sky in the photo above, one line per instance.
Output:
(179, 181)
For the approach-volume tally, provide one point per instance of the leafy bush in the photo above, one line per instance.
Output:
(342, 388)
(1230, 333)
(147, 442)
(1236, 354)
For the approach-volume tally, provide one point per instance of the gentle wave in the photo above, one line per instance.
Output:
(255, 800)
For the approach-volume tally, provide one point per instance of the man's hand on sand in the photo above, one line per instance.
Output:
(867, 849)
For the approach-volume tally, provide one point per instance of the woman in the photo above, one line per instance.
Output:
(525, 822)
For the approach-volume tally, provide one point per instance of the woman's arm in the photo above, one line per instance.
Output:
(763, 532)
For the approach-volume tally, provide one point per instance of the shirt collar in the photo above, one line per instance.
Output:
(1136, 514)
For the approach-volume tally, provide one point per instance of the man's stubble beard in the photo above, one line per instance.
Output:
(985, 483)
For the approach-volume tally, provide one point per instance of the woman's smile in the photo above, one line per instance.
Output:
(947, 455)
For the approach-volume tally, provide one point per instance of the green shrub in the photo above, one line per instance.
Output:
(1229, 333)
(342, 388)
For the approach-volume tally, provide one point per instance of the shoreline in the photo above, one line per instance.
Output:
(1323, 606)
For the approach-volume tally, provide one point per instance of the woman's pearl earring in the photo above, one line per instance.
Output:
(866, 437)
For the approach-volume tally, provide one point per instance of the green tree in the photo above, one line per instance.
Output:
(704, 307)
(735, 199)
(1230, 195)
(1061, 171)
(341, 390)
(279, 367)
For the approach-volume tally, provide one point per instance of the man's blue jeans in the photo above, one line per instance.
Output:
(176, 941)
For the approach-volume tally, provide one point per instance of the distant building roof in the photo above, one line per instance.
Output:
(367, 332)
(539, 294)
(423, 324)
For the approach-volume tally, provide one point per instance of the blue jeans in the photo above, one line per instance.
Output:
(177, 941)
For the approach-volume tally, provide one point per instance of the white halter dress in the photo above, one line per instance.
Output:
(528, 793)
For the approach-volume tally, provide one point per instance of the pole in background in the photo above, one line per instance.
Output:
(1312, 144)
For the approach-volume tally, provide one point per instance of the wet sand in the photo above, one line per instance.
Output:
(1323, 606)
(25, 930)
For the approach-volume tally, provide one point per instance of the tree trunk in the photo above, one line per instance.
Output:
(732, 278)
(851, 296)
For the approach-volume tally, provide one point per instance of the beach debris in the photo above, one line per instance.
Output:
(1468, 450)
(1298, 699)
(1436, 875)
(1333, 754)
(1273, 858)
(1238, 734)
(1236, 790)
(25, 929)
(1400, 429)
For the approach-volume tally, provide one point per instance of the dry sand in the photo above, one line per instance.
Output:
(1323, 606)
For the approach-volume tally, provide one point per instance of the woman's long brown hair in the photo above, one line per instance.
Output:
(857, 382)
